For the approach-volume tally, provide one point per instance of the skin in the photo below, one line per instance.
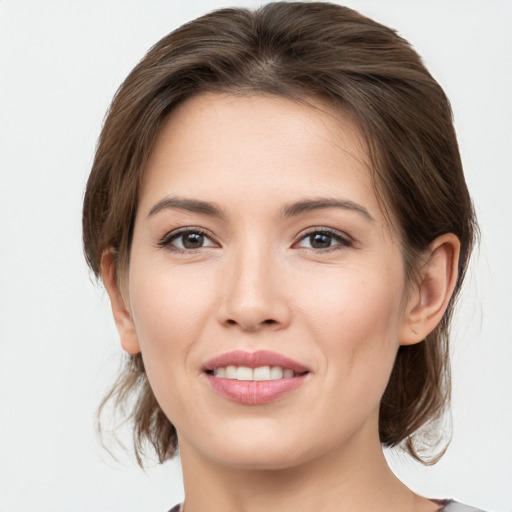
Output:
(260, 282)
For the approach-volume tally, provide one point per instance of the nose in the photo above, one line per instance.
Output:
(254, 296)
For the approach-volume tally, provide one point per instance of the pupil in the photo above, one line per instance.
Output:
(193, 241)
(320, 241)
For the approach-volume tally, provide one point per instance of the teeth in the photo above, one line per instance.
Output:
(231, 372)
(256, 374)
(244, 373)
(262, 373)
(276, 373)
(220, 372)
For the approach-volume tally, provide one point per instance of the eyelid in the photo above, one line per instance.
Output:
(169, 237)
(343, 238)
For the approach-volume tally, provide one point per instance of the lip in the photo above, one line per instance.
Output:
(254, 392)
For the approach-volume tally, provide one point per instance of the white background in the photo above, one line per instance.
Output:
(60, 64)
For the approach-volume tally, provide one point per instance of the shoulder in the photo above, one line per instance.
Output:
(454, 506)
(448, 506)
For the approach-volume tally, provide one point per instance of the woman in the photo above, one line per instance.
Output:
(279, 215)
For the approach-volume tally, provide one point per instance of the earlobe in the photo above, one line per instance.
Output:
(122, 315)
(438, 278)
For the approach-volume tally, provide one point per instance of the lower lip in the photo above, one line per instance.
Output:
(254, 392)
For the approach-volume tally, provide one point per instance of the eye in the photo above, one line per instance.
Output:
(323, 239)
(186, 240)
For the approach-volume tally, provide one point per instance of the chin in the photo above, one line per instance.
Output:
(248, 446)
(261, 458)
(262, 447)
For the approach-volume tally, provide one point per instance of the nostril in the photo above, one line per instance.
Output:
(269, 321)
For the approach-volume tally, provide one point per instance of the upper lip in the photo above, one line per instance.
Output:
(254, 360)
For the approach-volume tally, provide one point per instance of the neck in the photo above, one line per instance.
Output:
(354, 478)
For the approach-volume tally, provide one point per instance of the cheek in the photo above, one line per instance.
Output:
(355, 319)
(169, 309)
(352, 302)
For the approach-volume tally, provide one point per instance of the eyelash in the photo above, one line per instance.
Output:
(342, 240)
(166, 241)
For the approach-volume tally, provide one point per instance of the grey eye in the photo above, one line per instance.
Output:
(192, 240)
(320, 240)
(323, 239)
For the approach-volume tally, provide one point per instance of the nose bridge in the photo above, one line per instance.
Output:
(253, 298)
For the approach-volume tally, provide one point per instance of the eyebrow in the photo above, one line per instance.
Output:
(189, 205)
(308, 205)
(290, 210)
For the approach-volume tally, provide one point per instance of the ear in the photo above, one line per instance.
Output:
(429, 299)
(122, 315)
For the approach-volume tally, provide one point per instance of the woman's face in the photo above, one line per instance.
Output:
(259, 243)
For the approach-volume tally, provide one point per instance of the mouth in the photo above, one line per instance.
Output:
(255, 374)
(254, 377)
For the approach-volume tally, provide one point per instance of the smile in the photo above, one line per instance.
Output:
(254, 378)
(257, 374)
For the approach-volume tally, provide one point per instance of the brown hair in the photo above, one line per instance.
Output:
(296, 50)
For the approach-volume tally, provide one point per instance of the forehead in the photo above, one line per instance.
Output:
(253, 141)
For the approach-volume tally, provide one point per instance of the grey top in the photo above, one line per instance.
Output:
(448, 506)
(453, 506)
